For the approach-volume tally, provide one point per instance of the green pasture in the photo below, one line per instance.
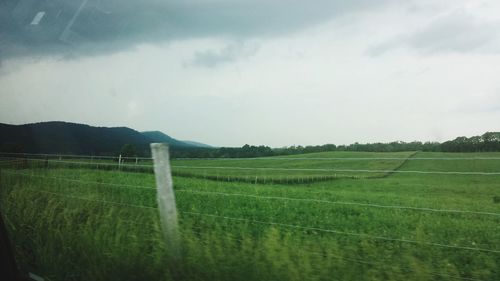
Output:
(94, 223)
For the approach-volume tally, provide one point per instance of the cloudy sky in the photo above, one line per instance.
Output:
(273, 72)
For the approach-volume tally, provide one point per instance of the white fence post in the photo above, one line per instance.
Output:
(166, 198)
(119, 162)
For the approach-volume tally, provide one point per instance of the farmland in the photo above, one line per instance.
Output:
(320, 216)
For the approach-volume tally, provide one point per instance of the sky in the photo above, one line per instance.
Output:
(273, 72)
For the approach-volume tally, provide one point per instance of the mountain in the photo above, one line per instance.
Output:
(157, 136)
(72, 138)
(197, 144)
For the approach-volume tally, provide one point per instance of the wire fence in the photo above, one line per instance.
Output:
(11, 168)
(326, 253)
(43, 155)
(255, 197)
(260, 197)
(341, 170)
(344, 158)
(60, 156)
(328, 170)
(333, 231)
(341, 203)
(272, 223)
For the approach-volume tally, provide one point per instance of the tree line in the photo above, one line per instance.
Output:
(487, 142)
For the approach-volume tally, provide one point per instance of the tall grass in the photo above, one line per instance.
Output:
(69, 224)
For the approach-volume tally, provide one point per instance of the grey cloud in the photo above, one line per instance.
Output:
(457, 32)
(230, 53)
(96, 26)
(480, 104)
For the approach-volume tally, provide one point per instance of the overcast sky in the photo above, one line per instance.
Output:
(271, 72)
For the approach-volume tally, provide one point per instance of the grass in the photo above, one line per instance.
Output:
(305, 168)
(294, 169)
(80, 228)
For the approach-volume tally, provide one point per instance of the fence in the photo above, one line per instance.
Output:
(249, 220)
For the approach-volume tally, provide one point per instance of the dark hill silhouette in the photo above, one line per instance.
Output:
(157, 136)
(72, 138)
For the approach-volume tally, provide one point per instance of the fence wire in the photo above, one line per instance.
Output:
(247, 158)
(329, 170)
(340, 202)
(330, 254)
(254, 196)
(333, 231)
(261, 197)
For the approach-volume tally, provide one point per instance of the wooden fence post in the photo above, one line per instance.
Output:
(166, 198)
(119, 162)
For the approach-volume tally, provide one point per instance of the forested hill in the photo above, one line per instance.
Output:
(71, 138)
(157, 136)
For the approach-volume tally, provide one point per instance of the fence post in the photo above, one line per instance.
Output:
(166, 198)
(119, 162)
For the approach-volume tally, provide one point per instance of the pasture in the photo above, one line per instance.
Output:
(319, 216)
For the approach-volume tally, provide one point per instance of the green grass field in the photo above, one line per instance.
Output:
(83, 222)
(296, 169)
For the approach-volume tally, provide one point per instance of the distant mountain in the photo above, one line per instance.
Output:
(72, 138)
(197, 144)
(157, 136)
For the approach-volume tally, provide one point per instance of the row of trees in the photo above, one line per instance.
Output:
(246, 151)
(485, 143)
(368, 147)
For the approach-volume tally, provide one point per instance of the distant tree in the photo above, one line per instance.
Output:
(11, 147)
(491, 141)
(129, 150)
(431, 146)
(487, 142)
